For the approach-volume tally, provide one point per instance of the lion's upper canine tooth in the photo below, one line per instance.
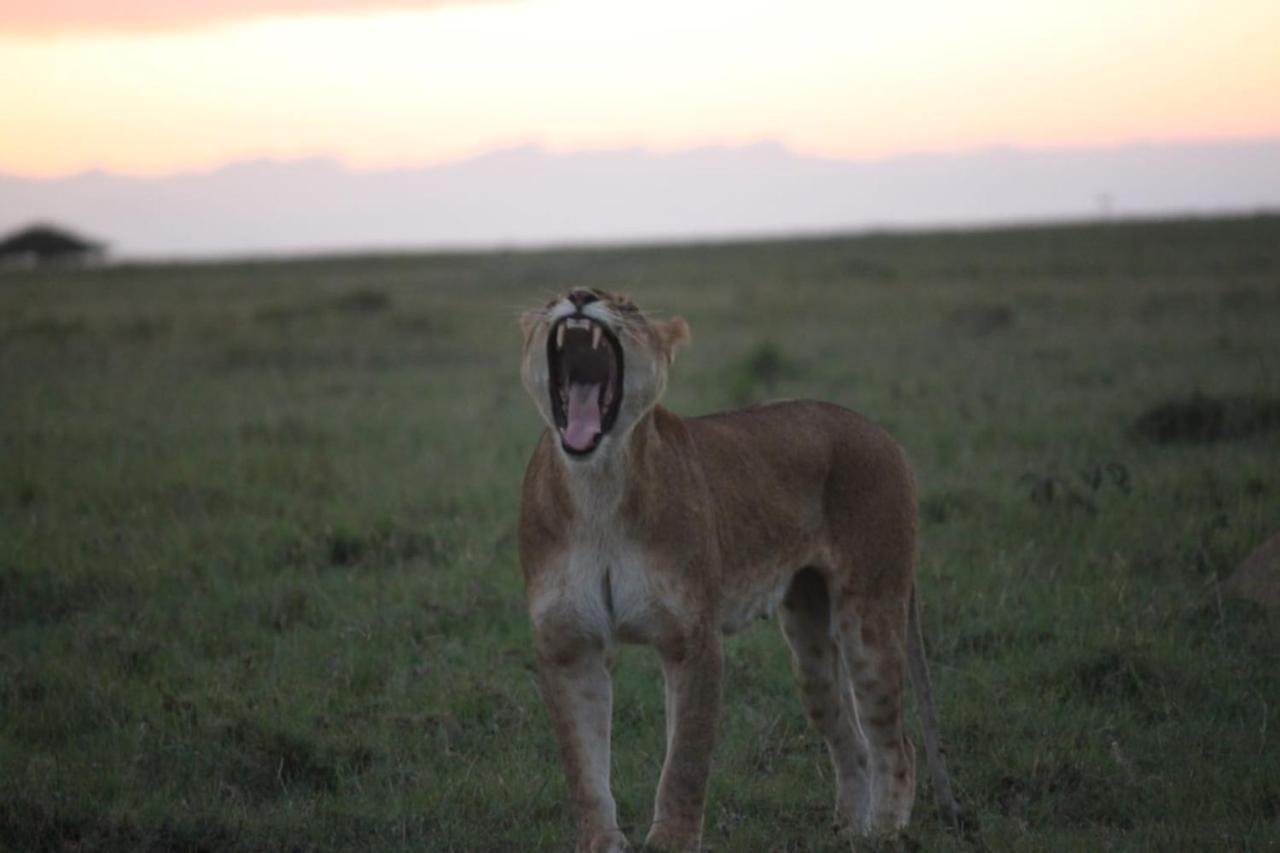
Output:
(595, 337)
(560, 336)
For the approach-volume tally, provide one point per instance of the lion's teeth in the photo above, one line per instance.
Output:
(595, 337)
(560, 337)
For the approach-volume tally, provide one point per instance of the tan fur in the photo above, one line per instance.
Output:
(674, 531)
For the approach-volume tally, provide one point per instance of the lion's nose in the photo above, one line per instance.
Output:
(580, 297)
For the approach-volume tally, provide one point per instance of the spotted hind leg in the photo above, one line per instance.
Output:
(805, 617)
(873, 649)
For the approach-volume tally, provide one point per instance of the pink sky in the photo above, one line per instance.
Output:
(155, 87)
(44, 17)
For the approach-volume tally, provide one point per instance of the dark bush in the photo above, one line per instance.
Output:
(1203, 420)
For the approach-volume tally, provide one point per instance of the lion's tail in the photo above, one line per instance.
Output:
(935, 754)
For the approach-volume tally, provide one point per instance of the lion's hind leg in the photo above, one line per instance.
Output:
(806, 622)
(872, 639)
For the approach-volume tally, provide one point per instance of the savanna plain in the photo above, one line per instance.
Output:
(259, 588)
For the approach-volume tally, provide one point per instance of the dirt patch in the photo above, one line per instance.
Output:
(1201, 419)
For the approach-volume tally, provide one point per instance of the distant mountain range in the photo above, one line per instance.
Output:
(528, 196)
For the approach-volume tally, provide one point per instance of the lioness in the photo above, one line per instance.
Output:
(640, 526)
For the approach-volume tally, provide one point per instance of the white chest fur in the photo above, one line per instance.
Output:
(610, 585)
(605, 583)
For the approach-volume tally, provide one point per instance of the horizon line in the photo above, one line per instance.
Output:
(539, 147)
(691, 241)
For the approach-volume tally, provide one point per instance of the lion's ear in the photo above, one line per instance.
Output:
(674, 334)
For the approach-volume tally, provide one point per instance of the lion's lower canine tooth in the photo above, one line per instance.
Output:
(595, 337)
(560, 337)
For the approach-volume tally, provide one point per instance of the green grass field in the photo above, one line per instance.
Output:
(259, 590)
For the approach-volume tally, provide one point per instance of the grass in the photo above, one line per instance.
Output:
(258, 586)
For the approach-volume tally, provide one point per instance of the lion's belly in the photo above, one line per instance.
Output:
(756, 603)
(608, 588)
(753, 589)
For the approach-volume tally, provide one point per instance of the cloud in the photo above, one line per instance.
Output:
(50, 17)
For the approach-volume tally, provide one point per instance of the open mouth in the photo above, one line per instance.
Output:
(585, 363)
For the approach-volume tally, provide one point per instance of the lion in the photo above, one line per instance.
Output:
(638, 526)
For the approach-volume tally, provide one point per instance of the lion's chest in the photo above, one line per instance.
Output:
(606, 587)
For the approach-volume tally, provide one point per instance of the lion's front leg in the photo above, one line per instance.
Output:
(691, 669)
(578, 693)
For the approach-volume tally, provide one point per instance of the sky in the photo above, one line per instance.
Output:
(153, 87)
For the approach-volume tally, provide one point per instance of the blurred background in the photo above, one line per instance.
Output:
(219, 127)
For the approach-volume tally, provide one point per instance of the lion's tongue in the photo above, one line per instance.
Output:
(584, 415)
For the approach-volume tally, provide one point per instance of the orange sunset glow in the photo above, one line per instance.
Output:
(150, 88)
